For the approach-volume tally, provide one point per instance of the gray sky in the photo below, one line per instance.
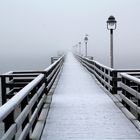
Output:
(37, 29)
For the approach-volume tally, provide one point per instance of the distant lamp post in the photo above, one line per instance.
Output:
(86, 41)
(111, 25)
(79, 48)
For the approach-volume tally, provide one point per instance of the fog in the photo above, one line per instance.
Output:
(31, 31)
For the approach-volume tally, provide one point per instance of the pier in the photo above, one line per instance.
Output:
(75, 98)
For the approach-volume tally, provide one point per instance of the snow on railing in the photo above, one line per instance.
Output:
(128, 81)
(131, 93)
(105, 75)
(24, 94)
(108, 77)
(8, 107)
(111, 69)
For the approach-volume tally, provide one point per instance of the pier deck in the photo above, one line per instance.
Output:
(81, 110)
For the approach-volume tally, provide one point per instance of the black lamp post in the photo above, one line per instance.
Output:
(111, 25)
(86, 41)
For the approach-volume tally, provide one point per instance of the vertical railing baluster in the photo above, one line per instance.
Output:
(3, 89)
(26, 121)
(46, 82)
(111, 81)
(106, 79)
(34, 106)
(138, 103)
(10, 79)
(127, 94)
(8, 121)
(103, 76)
(114, 82)
(123, 91)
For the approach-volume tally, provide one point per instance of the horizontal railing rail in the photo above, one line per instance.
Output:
(28, 91)
(131, 93)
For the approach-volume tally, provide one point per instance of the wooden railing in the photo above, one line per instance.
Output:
(23, 96)
(126, 81)
(105, 75)
(108, 77)
(131, 93)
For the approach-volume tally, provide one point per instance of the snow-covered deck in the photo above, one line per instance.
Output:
(81, 110)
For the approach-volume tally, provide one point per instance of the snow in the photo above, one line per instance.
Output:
(131, 78)
(11, 104)
(100, 64)
(81, 110)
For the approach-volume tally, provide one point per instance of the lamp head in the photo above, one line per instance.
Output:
(86, 39)
(111, 23)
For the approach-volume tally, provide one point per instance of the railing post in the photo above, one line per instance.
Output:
(46, 82)
(123, 91)
(106, 79)
(10, 80)
(23, 105)
(8, 121)
(103, 77)
(33, 92)
(81, 60)
(51, 60)
(3, 89)
(111, 81)
(138, 102)
(114, 82)
(127, 82)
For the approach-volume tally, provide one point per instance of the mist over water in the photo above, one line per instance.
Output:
(33, 31)
(38, 62)
(12, 61)
(24, 63)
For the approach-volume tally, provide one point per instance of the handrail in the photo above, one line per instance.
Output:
(131, 93)
(110, 78)
(26, 90)
(125, 80)
(105, 75)
(8, 107)
(111, 69)
(131, 78)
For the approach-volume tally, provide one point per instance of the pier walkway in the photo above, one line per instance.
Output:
(81, 110)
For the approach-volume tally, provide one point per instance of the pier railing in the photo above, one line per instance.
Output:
(108, 77)
(23, 96)
(131, 93)
(126, 81)
(105, 75)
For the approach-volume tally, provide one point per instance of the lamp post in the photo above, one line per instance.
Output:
(86, 41)
(111, 25)
(79, 48)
